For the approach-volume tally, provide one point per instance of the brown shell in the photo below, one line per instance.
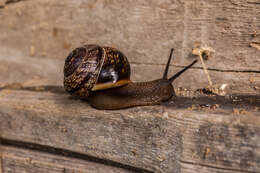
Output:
(115, 70)
(92, 67)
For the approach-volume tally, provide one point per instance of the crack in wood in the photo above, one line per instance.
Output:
(67, 153)
(7, 2)
(253, 2)
(215, 167)
(200, 68)
(19, 86)
(241, 3)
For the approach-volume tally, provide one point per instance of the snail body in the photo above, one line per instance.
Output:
(133, 94)
(101, 75)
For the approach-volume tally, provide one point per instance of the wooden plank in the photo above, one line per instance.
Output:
(145, 31)
(1, 160)
(36, 53)
(156, 138)
(189, 168)
(22, 160)
(15, 67)
(199, 134)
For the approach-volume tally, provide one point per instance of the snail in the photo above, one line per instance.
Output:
(101, 75)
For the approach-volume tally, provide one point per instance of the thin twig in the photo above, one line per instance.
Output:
(205, 68)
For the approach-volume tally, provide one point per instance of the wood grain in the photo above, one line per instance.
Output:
(145, 31)
(198, 133)
(17, 68)
(1, 160)
(22, 160)
(158, 138)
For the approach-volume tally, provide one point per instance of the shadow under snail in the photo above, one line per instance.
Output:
(101, 75)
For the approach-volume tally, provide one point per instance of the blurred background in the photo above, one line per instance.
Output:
(36, 37)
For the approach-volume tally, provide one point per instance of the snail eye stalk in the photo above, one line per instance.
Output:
(171, 79)
(167, 65)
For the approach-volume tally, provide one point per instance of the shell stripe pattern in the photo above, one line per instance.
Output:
(85, 75)
(115, 68)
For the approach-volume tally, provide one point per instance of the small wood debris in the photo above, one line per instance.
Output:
(237, 111)
(18, 12)
(204, 107)
(32, 50)
(207, 151)
(165, 115)
(255, 45)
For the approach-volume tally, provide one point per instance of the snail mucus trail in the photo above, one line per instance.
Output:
(101, 75)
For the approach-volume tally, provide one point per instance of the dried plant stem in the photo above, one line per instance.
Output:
(205, 68)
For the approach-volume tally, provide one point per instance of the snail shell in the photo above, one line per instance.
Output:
(92, 67)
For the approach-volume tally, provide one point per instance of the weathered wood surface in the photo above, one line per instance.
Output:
(27, 161)
(194, 134)
(16, 67)
(167, 138)
(145, 31)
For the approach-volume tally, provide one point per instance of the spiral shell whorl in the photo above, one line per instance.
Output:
(91, 67)
(81, 69)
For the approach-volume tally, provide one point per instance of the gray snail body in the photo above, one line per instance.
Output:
(101, 75)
